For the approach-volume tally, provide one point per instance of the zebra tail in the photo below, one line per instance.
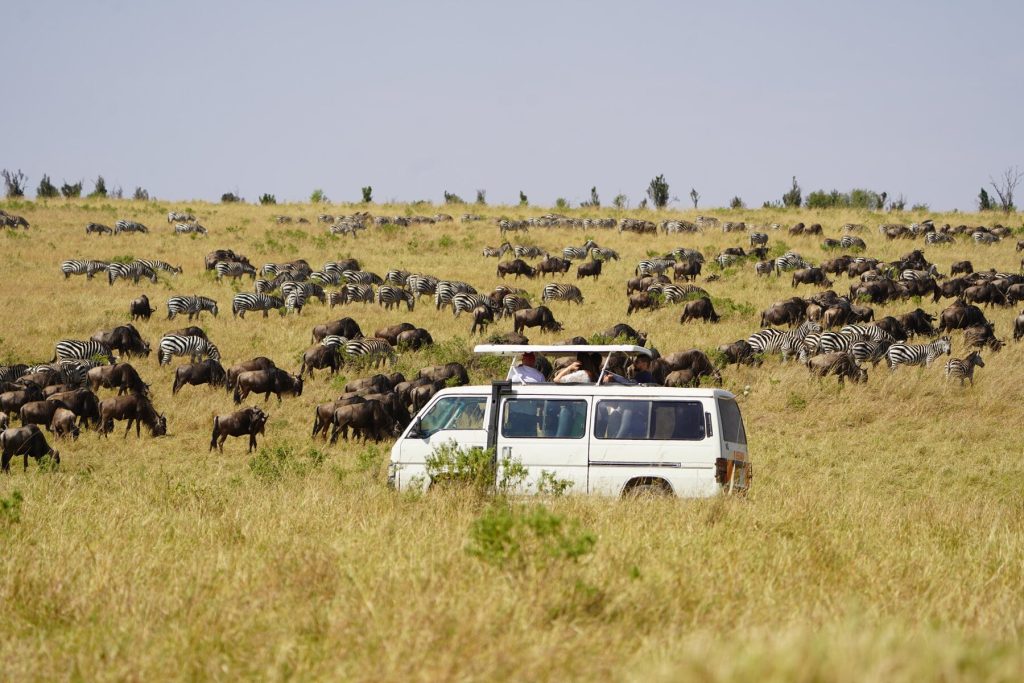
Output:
(213, 439)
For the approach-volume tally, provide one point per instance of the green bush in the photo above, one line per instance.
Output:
(318, 197)
(71, 191)
(46, 189)
(99, 188)
(794, 198)
(475, 468)
(267, 198)
(736, 203)
(367, 194)
(10, 507)
(14, 183)
(561, 203)
(452, 198)
(273, 464)
(140, 194)
(230, 198)
(481, 197)
(657, 192)
(523, 201)
(521, 538)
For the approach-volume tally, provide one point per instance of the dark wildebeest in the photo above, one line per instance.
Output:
(536, 317)
(508, 338)
(961, 267)
(624, 330)
(701, 309)
(345, 327)
(267, 382)
(642, 284)
(257, 363)
(45, 377)
(687, 270)
(50, 390)
(694, 359)
(839, 363)
(516, 267)
(251, 421)
(446, 373)
(122, 377)
(960, 315)
(682, 378)
(1018, 327)
(12, 401)
(810, 276)
(589, 269)
(553, 264)
(208, 371)
(63, 423)
(390, 334)
(986, 293)
(642, 300)
(482, 317)
(124, 339)
(415, 339)
(320, 357)
(791, 311)
(378, 382)
(893, 327)
(421, 395)
(917, 322)
(739, 352)
(82, 402)
(39, 412)
(134, 408)
(369, 418)
(26, 441)
(837, 266)
(140, 308)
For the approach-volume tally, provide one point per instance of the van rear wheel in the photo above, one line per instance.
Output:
(644, 488)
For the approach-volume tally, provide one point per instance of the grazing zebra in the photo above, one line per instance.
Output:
(561, 292)
(310, 290)
(866, 333)
(673, 294)
(357, 292)
(938, 238)
(511, 303)
(421, 284)
(464, 301)
(964, 369)
(81, 350)
(790, 261)
(870, 350)
(362, 277)
(604, 254)
(192, 305)
(129, 226)
(376, 349)
(758, 239)
(835, 341)
(74, 371)
(9, 373)
(255, 302)
(916, 354)
(787, 342)
(339, 267)
(444, 290)
(506, 225)
(986, 238)
(194, 347)
(764, 267)
(852, 242)
(234, 269)
(726, 260)
(175, 217)
(397, 277)
(910, 275)
(678, 226)
(86, 268)
(189, 228)
(496, 252)
(388, 296)
(522, 251)
(653, 267)
(294, 300)
(334, 341)
(155, 265)
(97, 228)
(267, 286)
(684, 254)
(573, 253)
(133, 270)
(324, 278)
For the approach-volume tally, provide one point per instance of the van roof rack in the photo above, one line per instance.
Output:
(515, 350)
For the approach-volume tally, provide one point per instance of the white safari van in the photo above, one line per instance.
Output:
(604, 438)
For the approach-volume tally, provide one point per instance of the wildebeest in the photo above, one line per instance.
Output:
(133, 408)
(553, 264)
(257, 363)
(642, 300)
(82, 402)
(540, 316)
(810, 276)
(124, 339)
(420, 395)
(1018, 327)
(39, 412)
(266, 382)
(701, 309)
(739, 352)
(368, 418)
(624, 330)
(791, 311)
(140, 308)
(122, 377)
(917, 322)
(589, 269)
(415, 339)
(482, 317)
(839, 363)
(345, 327)
(516, 267)
(694, 359)
(26, 441)
(960, 315)
(12, 401)
(391, 333)
(453, 374)
(687, 270)
(320, 357)
(986, 293)
(190, 331)
(208, 371)
(251, 421)
(63, 424)
(682, 378)
(961, 267)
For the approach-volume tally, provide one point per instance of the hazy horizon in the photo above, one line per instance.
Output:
(194, 100)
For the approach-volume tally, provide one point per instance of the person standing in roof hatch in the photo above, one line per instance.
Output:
(525, 372)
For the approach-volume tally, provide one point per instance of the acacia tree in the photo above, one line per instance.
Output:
(694, 196)
(794, 198)
(1006, 186)
(15, 183)
(46, 189)
(657, 192)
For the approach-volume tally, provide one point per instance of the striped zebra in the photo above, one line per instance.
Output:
(81, 349)
(397, 277)
(964, 369)
(340, 267)
(175, 217)
(677, 226)
(938, 238)
(74, 371)
(506, 225)
(334, 341)
(421, 284)
(388, 296)
(496, 252)
(374, 349)
(726, 260)
(86, 268)
(155, 265)
(255, 302)
(294, 300)
(234, 269)
(445, 290)
(98, 228)
(362, 277)
(916, 354)
(133, 270)
(835, 341)
(674, 294)
(986, 238)
(325, 218)
(574, 253)
(310, 290)
(787, 342)
(852, 242)
(810, 346)
(758, 239)
(911, 275)
(467, 302)
(129, 226)
(866, 332)
(790, 261)
(511, 303)
(324, 278)
(604, 254)
(684, 254)
(872, 350)
(358, 293)
(194, 347)
(653, 267)
(266, 286)
(192, 305)
(189, 229)
(561, 292)
(9, 373)
(764, 267)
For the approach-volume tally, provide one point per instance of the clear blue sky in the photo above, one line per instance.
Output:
(194, 99)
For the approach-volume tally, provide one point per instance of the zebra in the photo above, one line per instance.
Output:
(255, 302)
(133, 270)
(325, 218)
(726, 260)
(771, 339)
(332, 267)
(506, 225)
(790, 261)
(916, 354)
(74, 371)
(98, 228)
(194, 347)
(574, 253)
(653, 267)
(234, 269)
(193, 305)
(421, 284)
(362, 277)
(129, 226)
(674, 294)
(677, 226)
(86, 268)
(397, 277)
(332, 278)
(684, 254)
(867, 333)
(604, 254)
(758, 239)
(189, 228)
(562, 292)
(764, 267)
(294, 300)
(870, 350)
(496, 252)
(81, 350)
(155, 265)
(964, 369)
(511, 303)
(358, 292)
(912, 275)
(523, 251)
(310, 290)
(464, 301)
(938, 238)
(334, 341)
(852, 242)
(376, 349)
(388, 296)
(175, 217)
(446, 289)
(9, 373)
(346, 228)
(835, 341)
(986, 238)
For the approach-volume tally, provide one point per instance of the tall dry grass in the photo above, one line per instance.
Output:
(882, 539)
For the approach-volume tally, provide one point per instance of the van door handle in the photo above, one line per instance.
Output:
(506, 452)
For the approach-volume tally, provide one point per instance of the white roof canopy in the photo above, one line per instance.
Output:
(559, 349)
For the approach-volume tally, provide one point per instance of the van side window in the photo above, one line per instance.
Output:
(647, 420)
(732, 421)
(454, 412)
(539, 418)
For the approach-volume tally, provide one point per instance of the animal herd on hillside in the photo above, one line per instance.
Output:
(832, 334)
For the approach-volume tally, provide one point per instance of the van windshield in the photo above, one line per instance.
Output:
(732, 422)
(454, 412)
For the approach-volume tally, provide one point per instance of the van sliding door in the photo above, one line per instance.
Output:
(548, 436)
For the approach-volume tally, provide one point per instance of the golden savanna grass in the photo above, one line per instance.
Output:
(883, 538)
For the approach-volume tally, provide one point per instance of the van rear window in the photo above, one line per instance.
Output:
(650, 420)
(732, 421)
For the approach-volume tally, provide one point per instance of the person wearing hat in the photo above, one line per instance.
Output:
(525, 372)
(642, 370)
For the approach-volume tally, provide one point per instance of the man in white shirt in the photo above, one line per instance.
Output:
(525, 372)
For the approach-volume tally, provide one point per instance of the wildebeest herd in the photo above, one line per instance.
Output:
(831, 333)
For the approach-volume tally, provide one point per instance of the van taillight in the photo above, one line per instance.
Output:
(722, 471)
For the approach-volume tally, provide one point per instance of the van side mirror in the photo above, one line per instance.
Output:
(415, 432)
